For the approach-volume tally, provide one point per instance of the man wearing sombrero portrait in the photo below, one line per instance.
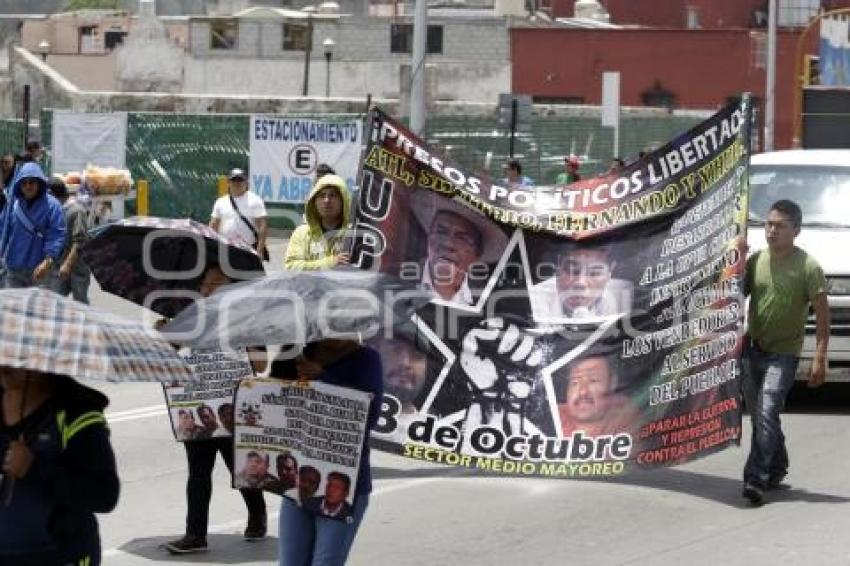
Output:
(458, 239)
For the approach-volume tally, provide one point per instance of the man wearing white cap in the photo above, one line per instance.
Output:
(240, 214)
(458, 237)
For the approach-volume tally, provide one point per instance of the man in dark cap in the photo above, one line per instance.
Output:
(241, 214)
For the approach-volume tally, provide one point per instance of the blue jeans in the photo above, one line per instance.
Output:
(767, 380)
(306, 539)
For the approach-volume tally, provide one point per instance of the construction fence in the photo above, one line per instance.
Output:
(183, 155)
(11, 136)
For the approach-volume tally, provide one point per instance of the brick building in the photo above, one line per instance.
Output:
(702, 14)
(666, 57)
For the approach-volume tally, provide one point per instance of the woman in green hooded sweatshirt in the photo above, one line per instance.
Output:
(317, 243)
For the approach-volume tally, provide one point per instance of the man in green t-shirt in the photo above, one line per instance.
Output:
(782, 281)
(570, 173)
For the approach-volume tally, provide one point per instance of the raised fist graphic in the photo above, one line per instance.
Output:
(502, 364)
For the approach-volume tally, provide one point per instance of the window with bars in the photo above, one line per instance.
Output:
(758, 50)
(295, 37)
(401, 39)
(114, 38)
(796, 13)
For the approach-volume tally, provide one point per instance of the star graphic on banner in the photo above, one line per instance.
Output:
(495, 369)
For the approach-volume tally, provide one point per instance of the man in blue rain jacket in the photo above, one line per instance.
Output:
(32, 230)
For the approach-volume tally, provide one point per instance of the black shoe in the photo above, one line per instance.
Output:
(775, 481)
(754, 493)
(256, 529)
(186, 545)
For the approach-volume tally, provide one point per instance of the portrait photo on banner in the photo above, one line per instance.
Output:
(597, 393)
(586, 281)
(447, 247)
(332, 501)
(203, 407)
(301, 441)
(412, 366)
(405, 363)
(203, 420)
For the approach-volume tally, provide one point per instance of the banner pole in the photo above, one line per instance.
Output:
(305, 88)
(417, 68)
(25, 115)
(513, 125)
(367, 137)
(617, 139)
(770, 86)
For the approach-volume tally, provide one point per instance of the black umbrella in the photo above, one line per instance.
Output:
(149, 260)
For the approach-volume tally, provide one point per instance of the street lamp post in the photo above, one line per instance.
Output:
(44, 49)
(770, 86)
(307, 51)
(417, 67)
(328, 45)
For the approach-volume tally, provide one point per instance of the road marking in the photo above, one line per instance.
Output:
(397, 485)
(404, 484)
(111, 414)
(135, 414)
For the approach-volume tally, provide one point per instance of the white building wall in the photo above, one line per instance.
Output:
(480, 82)
(87, 72)
(474, 65)
(148, 60)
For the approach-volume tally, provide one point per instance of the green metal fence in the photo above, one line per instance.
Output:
(483, 144)
(182, 155)
(11, 136)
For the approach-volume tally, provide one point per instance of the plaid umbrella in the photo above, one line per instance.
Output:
(43, 331)
(137, 256)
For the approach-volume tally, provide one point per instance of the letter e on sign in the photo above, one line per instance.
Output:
(303, 159)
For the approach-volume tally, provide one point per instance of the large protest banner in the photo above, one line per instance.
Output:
(313, 434)
(286, 150)
(203, 407)
(576, 330)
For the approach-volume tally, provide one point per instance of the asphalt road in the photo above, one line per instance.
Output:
(432, 515)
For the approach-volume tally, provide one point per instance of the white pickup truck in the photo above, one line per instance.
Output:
(819, 181)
